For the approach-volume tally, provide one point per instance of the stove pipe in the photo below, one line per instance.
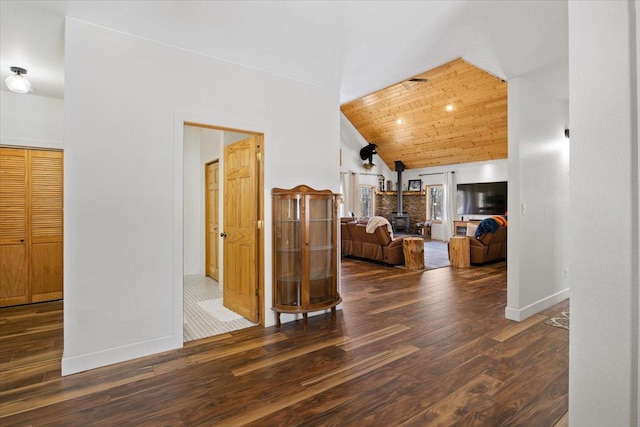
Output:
(399, 169)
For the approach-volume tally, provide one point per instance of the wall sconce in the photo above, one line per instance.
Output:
(18, 82)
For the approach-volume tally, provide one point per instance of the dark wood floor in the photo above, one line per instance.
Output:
(409, 348)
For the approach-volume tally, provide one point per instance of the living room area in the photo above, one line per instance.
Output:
(445, 133)
(430, 158)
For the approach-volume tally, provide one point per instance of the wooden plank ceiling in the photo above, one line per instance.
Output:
(409, 121)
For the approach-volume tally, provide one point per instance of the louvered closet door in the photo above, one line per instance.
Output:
(14, 268)
(46, 225)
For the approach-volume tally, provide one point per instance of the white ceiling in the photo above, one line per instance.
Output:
(354, 47)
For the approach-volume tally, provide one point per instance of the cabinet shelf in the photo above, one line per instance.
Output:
(321, 248)
(290, 279)
(304, 258)
(322, 274)
(312, 248)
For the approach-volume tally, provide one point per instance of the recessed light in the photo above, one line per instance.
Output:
(449, 107)
(399, 121)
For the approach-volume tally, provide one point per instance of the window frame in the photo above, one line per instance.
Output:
(427, 191)
(373, 200)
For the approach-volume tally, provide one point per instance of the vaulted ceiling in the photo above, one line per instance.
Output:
(455, 113)
(350, 47)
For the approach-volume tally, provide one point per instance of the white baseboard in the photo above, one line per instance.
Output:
(519, 314)
(85, 362)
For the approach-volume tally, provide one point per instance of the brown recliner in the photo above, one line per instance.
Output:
(346, 240)
(489, 246)
(356, 246)
(377, 246)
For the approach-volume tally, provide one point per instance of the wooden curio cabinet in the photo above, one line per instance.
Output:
(305, 238)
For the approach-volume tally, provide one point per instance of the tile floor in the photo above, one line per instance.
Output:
(204, 315)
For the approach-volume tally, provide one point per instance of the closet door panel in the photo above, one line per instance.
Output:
(14, 275)
(46, 225)
(14, 270)
(46, 271)
(46, 196)
(13, 196)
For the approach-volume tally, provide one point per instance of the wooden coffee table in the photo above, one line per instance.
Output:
(459, 252)
(413, 248)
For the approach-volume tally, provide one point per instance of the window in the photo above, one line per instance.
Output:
(367, 201)
(435, 198)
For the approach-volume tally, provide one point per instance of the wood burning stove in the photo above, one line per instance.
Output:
(400, 221)
(399, 218)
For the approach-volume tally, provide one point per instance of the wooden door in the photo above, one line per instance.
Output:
(14, 257)
(212, 226)
(240, 284)
(45, 187)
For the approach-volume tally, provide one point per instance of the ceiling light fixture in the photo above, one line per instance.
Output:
(18, 82)
(449, 108)
(399, 121)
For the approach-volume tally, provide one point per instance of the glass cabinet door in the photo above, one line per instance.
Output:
(320, 240)
(288, 247)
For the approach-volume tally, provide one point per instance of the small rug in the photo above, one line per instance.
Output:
(559, 320)
(436, 254)
(215, 308)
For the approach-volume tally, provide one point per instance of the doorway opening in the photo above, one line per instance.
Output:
(223, 243)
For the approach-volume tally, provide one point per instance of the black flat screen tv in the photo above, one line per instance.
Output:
(483, 198)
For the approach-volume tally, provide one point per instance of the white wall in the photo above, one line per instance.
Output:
(124, 179)
(465, 173)
(231, 137)
(538, 200)
(193, 206)
(635, 393)
(351, 141)
(201, 146)
(29, 120)
(603, 374)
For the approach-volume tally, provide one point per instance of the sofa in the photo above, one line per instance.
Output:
(488, 246)
(346, 240)
(376, 246)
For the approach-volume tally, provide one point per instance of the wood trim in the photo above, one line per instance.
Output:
(261, 219)
(222, 128)
(31, 147)
(50, 296)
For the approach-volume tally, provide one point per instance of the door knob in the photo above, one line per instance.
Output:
(223, 234)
